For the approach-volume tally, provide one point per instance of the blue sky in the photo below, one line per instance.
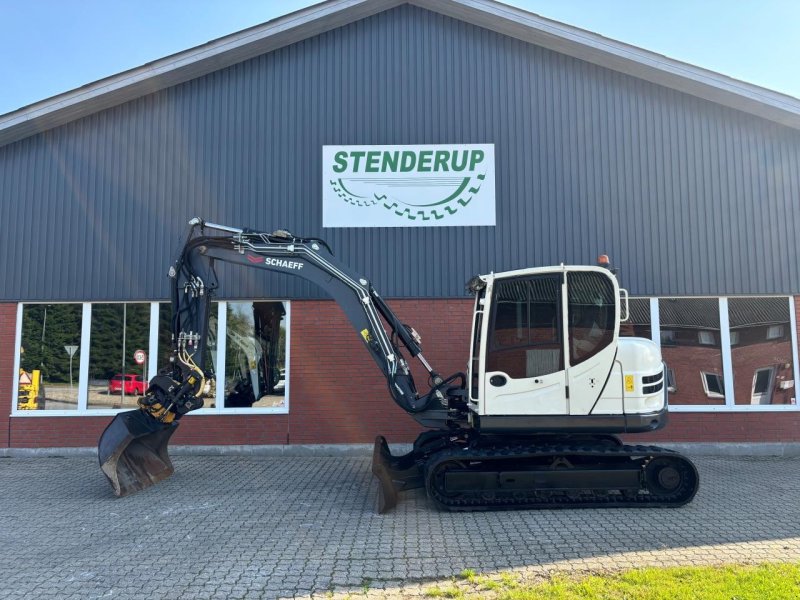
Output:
(52, 46)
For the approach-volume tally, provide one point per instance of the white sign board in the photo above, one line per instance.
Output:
(408, 186)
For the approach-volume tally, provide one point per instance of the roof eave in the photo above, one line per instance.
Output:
(618, 56)
(181, 67)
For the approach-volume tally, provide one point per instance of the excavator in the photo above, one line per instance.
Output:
(533, 423)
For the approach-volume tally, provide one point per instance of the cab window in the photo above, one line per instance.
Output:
(591, 314)
(525, 338)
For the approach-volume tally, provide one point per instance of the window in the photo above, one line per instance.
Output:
(672, 384)
(118, 331)
(638, 323)
(706, 338)
(762, 386)
(763, 358)
(476, 346)
(255, 360)
(164, 351)
(94, 358)
(713, 385)
(667, 337)
(526, 334)
(774, 332)
(49, 357)
(691, 347)
(591, 314)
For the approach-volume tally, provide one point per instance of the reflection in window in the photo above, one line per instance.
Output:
(638, 323)
(49, 357)
(690, 345)
(117, 332)
(775, 332)
(713, 385)
(255, 357)
(763, 370)
(706, 338)
(672, 382)
(526, 334)
(165, 347)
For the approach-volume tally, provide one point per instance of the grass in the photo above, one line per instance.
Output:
(731, 582)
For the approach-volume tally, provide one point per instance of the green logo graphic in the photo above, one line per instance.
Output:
(416, 184)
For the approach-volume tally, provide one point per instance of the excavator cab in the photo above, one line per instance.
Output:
(545, 342)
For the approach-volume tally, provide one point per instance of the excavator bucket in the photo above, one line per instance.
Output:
(394, 474)
(133, 451)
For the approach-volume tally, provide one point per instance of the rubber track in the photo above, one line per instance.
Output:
(544, 498)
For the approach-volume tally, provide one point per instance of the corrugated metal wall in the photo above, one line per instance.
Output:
(687, 197)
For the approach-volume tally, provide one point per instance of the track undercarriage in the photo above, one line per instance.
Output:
(476, 472)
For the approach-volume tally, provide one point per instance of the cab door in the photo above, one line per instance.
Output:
(592, 307)
(525, 373)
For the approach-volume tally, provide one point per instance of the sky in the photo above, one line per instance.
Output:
(52, 46)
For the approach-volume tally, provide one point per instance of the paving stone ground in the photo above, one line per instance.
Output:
(284, 527)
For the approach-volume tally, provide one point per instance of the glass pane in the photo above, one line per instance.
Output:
(526, 340)
(638, 324)
(591, 314)
(165, 348)
(763, 370)
(50, 356)
(695, 360)
(255, 360)
(118, 331)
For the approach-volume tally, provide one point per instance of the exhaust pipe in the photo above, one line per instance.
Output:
(133, 451)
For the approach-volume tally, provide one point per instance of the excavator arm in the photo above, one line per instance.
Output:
(133, 448)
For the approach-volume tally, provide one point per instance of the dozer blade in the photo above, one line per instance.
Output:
(133, 451)
(387, 494)
(394, 474)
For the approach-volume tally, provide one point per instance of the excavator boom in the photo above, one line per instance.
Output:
(133, 449)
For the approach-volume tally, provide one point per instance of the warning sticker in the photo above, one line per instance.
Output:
(628, 383)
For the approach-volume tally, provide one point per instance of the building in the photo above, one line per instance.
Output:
(687, 178)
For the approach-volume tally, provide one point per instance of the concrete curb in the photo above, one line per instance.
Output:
(787, 449)
(779, 449)
(319, 450)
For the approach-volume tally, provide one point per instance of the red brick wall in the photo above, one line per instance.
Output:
(8, 317)
(727, 427)
(337, 394)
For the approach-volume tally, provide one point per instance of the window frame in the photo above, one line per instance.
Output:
(152, 365)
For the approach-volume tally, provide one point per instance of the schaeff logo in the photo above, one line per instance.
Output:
(402, 186)
(275, 262)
